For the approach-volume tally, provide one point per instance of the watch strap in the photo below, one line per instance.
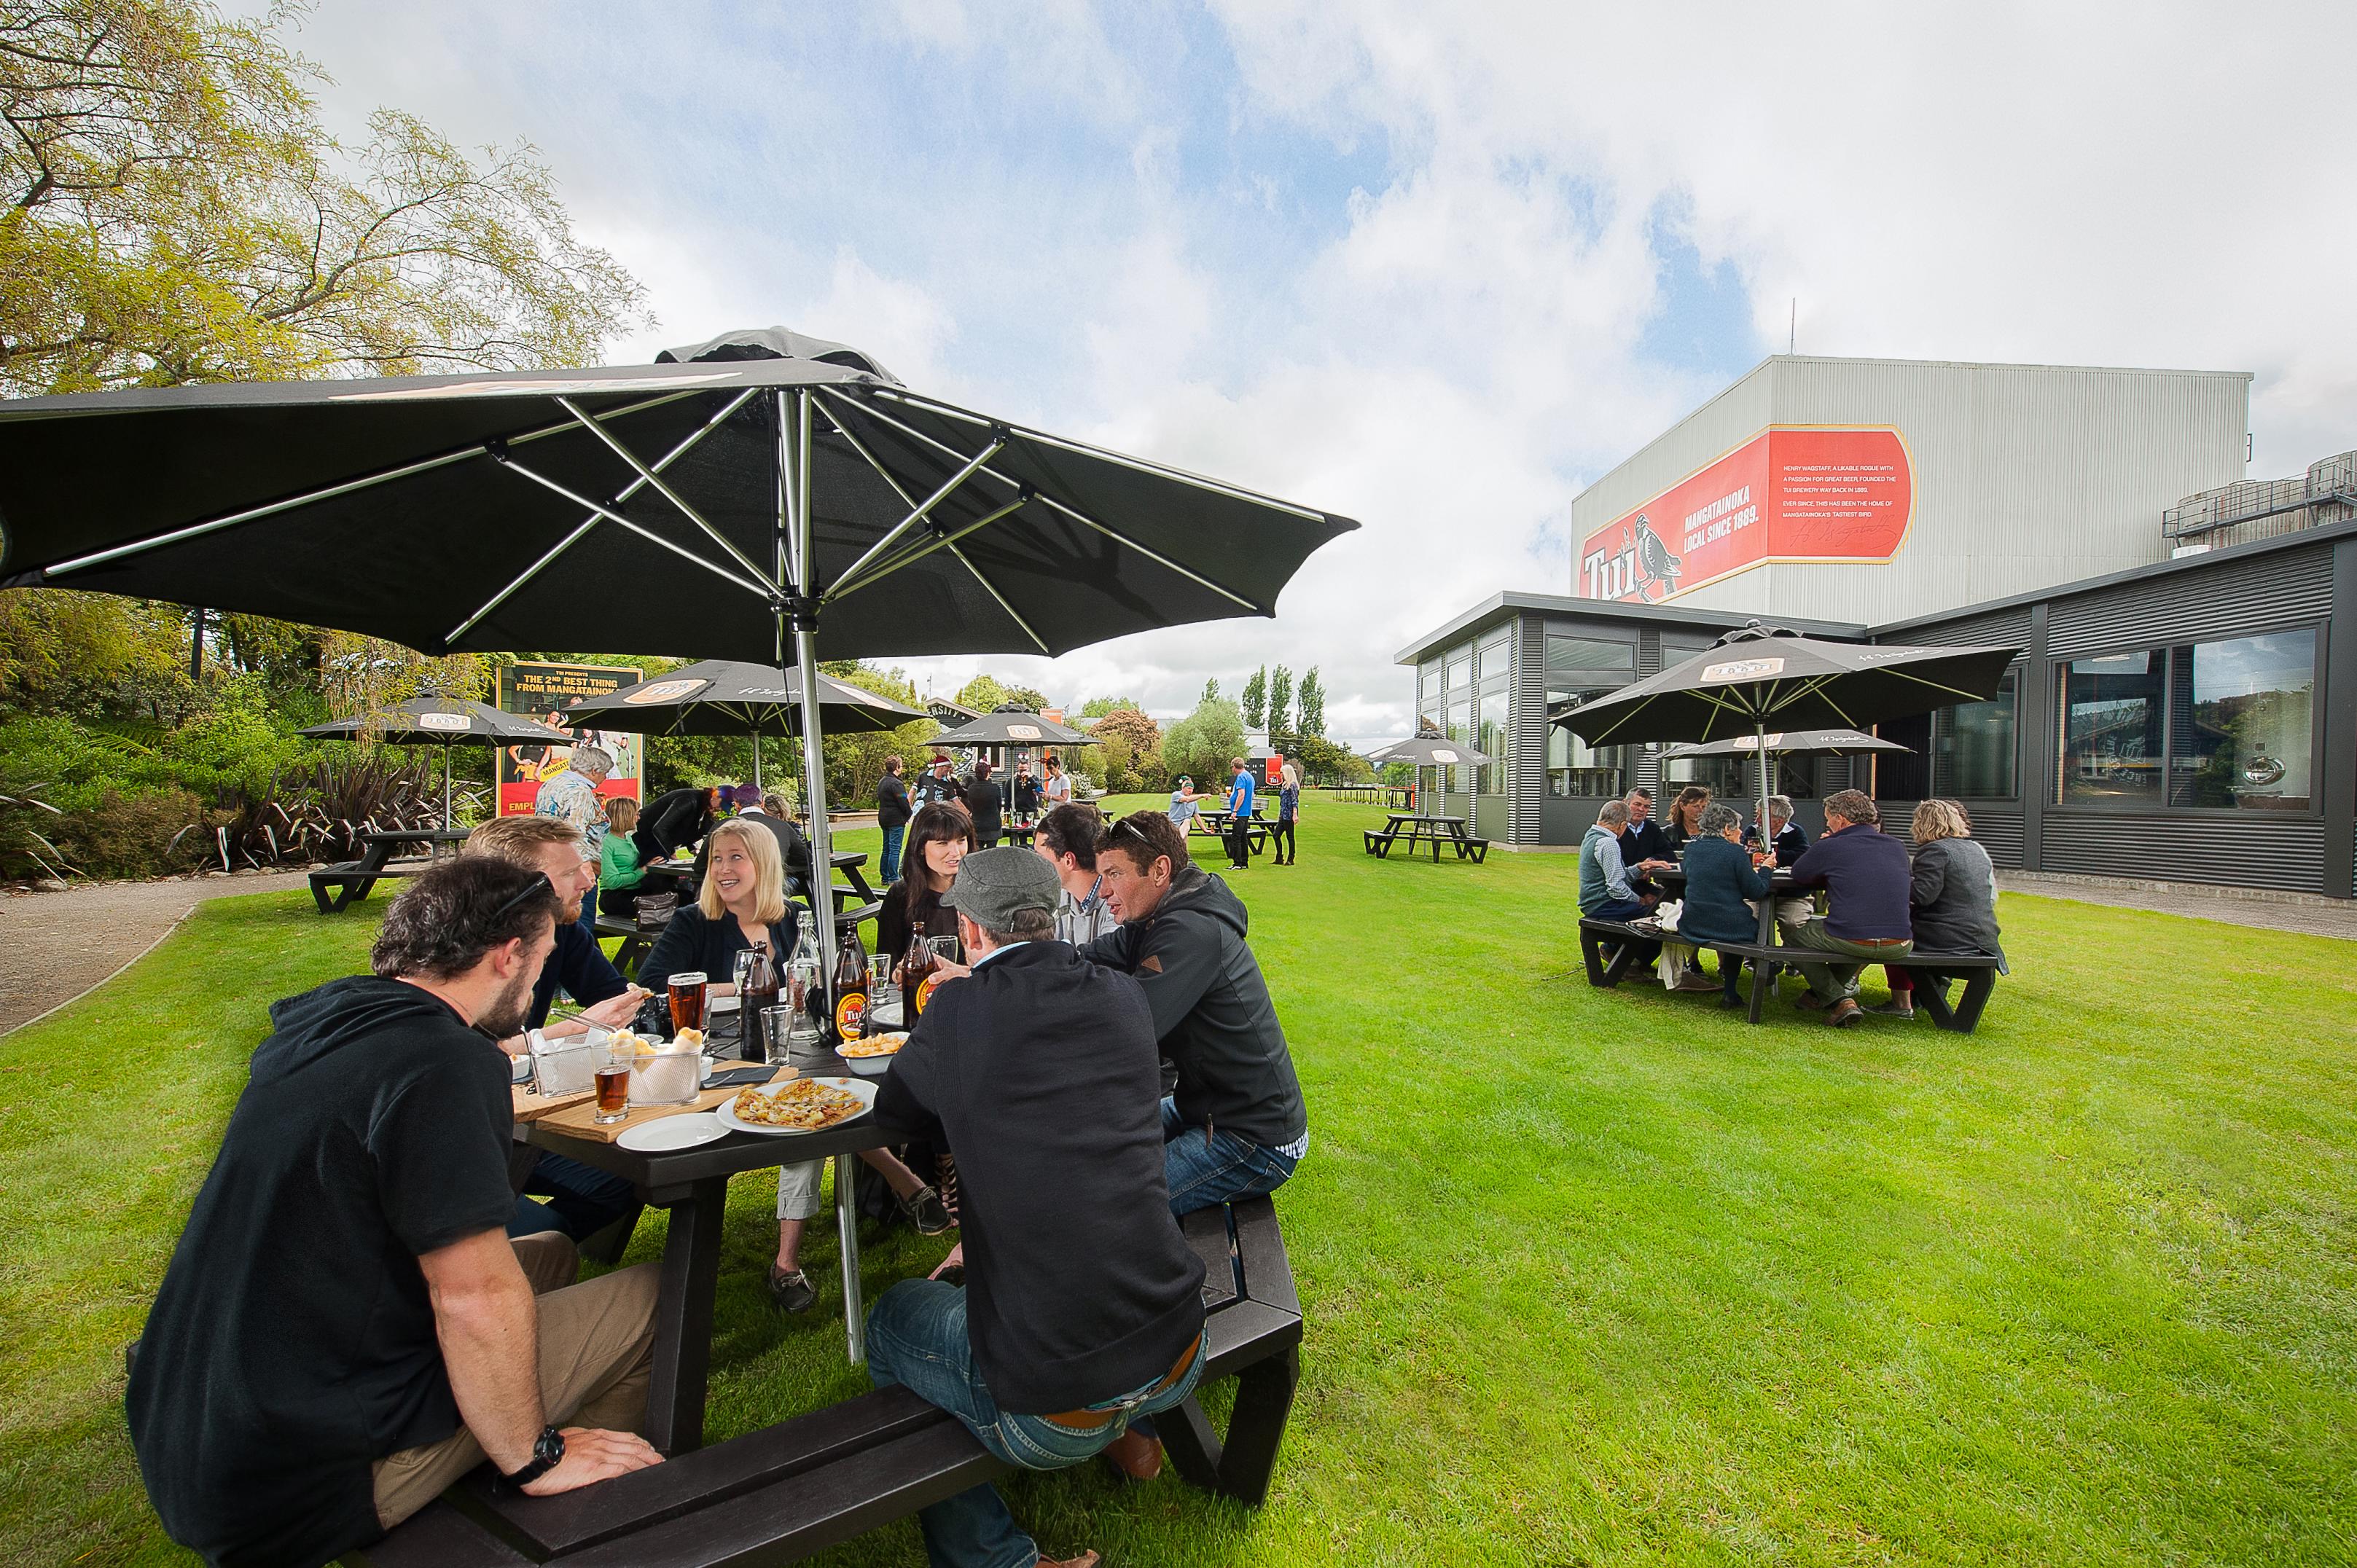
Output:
(547, 1453)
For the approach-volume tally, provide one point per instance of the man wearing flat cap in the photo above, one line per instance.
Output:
(1081, 1309)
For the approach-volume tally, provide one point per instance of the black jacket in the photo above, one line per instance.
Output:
(983, 802)
(673, 821)
(893, 928)
(1954, 891)
(892, 806)
(1037, 1071)
(690, 942)
(1864, 870)
(1211, 1010)
(1643, 843)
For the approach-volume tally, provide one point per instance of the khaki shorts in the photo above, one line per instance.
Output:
(596, 1358)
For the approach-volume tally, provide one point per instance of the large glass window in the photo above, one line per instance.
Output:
(1972, 748)
(2114, 715)
(2245, 713)
(1722, 776)
(1585, 668)
(1493, 740)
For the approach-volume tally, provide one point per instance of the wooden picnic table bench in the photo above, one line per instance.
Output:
(813, 1481)
(1610, 947)
(352, 879)
(1435, 830)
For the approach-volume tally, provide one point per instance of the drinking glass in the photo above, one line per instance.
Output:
(687, 995)
(802, 985)
(613, 1077)
(744, 962)
(778, 1025)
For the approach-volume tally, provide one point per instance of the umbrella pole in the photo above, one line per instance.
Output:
(446, 786)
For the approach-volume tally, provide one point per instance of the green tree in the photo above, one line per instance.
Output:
(1312, 719)
(854, 762)
(1132, 725)
(1211, 690)
(1098, 707)
(1031, 697)
(176, 211)
(1205, 741)
(1280, 700)
(1255, 707)
(982, 694)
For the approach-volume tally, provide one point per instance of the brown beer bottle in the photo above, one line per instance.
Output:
(914, 972)
(759, 994)
(851, 987)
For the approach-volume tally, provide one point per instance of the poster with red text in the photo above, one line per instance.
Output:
(1791, 493)
(541, 689)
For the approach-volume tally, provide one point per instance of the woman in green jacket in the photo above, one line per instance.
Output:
(620, 880)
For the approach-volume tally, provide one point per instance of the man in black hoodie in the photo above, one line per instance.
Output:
(1235, 1125)
(1081, 1310)
(345, 1328)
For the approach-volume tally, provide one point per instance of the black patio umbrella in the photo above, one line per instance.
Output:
(444, 722)
(1759, 674)
(730, 507)
(1818, 742)
(718, 697)
(1429, 751)
(1014, 726)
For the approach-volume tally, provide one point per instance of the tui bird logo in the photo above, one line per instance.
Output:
(1654, 557)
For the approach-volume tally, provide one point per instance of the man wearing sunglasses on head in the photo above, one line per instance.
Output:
(346, 1327)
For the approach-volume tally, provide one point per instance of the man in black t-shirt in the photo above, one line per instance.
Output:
(345, 1328)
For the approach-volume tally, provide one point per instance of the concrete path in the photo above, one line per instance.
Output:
(59, 945)
(2300, 912)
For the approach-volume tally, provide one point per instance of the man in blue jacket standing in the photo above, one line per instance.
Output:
(1240, 817)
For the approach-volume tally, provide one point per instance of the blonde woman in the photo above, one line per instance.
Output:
(1289, 807)
(620, 878)
(1951, 897)
(743, 905)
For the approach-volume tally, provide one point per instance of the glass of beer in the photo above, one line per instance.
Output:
(688, 1001)
(613, 1079)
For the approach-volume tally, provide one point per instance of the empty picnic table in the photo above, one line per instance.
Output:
(354, 878)
(1417, 829)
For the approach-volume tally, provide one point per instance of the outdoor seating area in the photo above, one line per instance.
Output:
(1412, 828)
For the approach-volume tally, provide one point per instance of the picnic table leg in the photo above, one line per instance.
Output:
(691, 1275)
(1764, 975)
(846, 1224)
(1978, 983)
(1591, 952)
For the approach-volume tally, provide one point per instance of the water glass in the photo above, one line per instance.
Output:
(778, 1031)
(801, 985)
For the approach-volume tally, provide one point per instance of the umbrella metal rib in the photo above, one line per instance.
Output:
(687, 444)
(661, 488)
(922, 512)
(760, 591)
(329, 492)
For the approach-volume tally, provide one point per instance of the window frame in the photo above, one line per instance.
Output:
(2169, 644)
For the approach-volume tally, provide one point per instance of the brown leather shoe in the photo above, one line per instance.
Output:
(1138, 1455)
(1085, 1560)
(1844, 1013)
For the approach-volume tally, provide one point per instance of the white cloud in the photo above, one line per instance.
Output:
(1034, 210)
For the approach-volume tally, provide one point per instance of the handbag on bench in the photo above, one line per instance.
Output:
(655, 910)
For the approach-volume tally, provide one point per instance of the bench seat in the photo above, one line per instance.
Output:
(1610, 947)
(352, 881)
(787, 1491)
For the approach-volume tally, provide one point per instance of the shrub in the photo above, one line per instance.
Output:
(28, 831)
(135, 835)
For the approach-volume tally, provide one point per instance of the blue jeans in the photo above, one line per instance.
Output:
(582, 1199)
(890, 866)
(1203, 1171)
(916, 1338)
(1617, 909)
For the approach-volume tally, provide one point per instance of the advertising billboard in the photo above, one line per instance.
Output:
(1791, 493)
(541, 689)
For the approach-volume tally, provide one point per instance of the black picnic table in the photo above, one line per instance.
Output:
(1418, 828)
(354, 878)
(846, 861)
(1781, 885)
(692, 1185)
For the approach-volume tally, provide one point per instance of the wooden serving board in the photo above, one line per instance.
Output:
(580, 1120)
(531, 1107)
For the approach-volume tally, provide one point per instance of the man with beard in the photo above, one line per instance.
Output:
(346, 1328)
(581, 1200)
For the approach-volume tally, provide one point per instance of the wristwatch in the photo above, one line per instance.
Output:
(546, 1455)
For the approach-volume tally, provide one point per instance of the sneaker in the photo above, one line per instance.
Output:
(1844, 1013)
(926, 1212)
(791, 1292)
(1894, 1008)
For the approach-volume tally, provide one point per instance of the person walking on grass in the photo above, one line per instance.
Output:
(1240, 790)
(893, 810)
(1288, 809)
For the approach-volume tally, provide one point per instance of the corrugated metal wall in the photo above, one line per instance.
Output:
(1526, 722)
(2282, 587)
(2026, 476)
(2251, 851)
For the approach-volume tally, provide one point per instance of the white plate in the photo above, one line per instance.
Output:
(673, 1132)
(720, 1003)
(726, 1112)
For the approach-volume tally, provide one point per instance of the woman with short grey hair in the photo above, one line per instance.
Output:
(1951, 897)
(1721, 882)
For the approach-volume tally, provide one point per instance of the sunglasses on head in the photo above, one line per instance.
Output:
(539, 885)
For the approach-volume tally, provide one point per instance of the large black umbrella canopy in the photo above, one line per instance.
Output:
(1014, 726)
(1781, 743)
(444, 722)
(1760, 674)
(719, 697)
(1430, 751)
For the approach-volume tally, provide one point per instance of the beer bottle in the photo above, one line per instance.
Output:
(753, 1004)
(915, 974)
(850, 987)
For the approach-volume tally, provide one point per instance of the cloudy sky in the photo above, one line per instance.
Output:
(1434, 267)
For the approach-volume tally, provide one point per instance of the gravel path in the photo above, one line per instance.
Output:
(59, 945)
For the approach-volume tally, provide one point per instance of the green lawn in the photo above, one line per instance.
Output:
(1591, 1277)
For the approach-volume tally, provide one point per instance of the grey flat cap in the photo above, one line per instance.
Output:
(994, 883)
